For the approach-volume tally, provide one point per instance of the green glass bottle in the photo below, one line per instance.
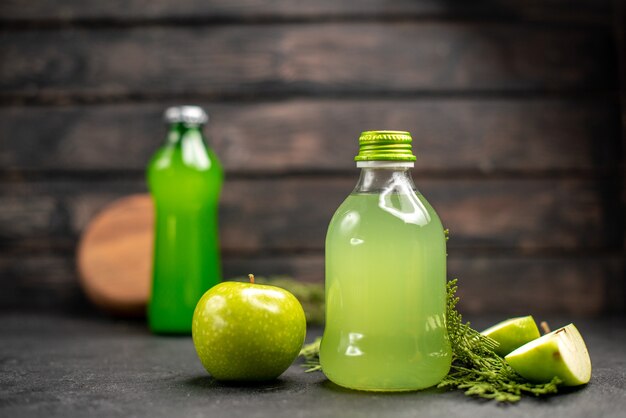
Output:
(185, 179)
(385, 277)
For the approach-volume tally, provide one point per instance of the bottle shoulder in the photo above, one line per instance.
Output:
(172, 177)
(360, 210)
(172, 158)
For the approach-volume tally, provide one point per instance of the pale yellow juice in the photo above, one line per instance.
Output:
(385, 294)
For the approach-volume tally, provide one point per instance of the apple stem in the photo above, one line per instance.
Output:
(251, 277)
(545, 327)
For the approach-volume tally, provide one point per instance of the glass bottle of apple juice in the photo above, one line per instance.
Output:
(385, 277)
(185, 180)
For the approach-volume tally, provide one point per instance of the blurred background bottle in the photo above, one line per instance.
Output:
(185, 179)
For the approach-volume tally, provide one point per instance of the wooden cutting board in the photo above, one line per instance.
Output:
(114, 257)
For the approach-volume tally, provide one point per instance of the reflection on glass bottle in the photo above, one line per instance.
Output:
(185, 179)
(385, 278)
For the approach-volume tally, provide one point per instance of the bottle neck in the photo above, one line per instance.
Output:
(177, 132)
(387, 176)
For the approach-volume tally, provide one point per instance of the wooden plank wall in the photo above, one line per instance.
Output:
(513, 104)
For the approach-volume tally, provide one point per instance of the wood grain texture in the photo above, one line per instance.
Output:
(114, 265)
(511, 104)
(292, 214)
(315, 59)
(534, 10)
(46, 282)
(584, 286)
(114, 255)
(580, 286)
(316, 135)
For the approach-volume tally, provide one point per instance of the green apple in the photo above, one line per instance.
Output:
(247, 331)
(561, 353)
(512, 333)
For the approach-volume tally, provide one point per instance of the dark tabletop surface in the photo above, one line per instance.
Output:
(62, 366)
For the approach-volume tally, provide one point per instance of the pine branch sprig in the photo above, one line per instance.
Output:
(476, 368)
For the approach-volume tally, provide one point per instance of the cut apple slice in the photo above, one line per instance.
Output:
(512, 333)
(561, 353)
